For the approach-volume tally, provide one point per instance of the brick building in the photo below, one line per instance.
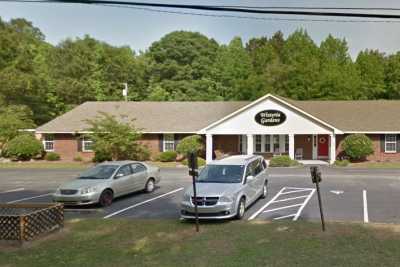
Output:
(270, 125)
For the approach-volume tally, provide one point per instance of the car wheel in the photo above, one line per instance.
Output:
(241, 209)
(265, 190)
(150, 186)
(106, 198)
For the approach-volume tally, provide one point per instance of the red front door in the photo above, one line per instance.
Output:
(323, 145)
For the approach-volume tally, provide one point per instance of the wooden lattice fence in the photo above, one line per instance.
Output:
(23, 222)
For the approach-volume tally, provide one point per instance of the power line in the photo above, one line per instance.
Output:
(249, 17)
(229, 9)
(313, 8)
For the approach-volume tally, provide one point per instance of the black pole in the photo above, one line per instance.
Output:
(193, 170)
(195, 203)
(320, 206)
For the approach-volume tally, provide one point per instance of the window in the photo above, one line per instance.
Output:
(87, 145)
(124, 171)
(390, 143)
(168, 142)
(286, 143)
(241, 144)
(267, 144)
(258, 143)
(48, 143)
(276, 143)
(137, 168)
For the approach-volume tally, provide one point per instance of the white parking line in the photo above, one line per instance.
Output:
(282, 208)
(276, 200)
(304, 204)
(255, 214)
(28, 198)
(13, 190)
(141, 203)
(365, 202)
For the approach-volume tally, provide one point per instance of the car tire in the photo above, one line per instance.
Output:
(265, 190)
(106, 198)
(150, 185)
(241, 209)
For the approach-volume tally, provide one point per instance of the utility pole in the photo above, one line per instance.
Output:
(125, 91)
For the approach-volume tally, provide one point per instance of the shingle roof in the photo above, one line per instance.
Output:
(172, 117)
(355, 116)
(180, 117)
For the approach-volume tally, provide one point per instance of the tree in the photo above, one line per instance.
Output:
(190, 144)
(371, 65)
(114, 137)
(392, 76)
(339, 77)
(357, 146)
(13, 119)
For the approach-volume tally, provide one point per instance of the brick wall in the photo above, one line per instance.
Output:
(378, 155)
(226, 144)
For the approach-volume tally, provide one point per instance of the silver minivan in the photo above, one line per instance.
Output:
(226, 187)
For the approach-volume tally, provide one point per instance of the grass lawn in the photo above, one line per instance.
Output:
(376, 165)
(45, 165)
(171, 243)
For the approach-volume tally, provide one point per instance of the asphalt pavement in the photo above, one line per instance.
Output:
(363, 195)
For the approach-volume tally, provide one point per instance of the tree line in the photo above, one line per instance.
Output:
(39, 81)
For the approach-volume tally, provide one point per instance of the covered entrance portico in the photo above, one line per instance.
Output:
(270, 126)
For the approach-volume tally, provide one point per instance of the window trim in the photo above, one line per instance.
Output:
(46, 141)
(391, 142)
(84, 142)
(165, 142)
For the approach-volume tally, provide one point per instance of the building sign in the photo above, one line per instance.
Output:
(270, 117)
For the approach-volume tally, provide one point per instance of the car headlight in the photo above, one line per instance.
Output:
(88, 190)
(225, 199)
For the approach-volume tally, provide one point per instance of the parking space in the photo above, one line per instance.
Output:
(347, 195)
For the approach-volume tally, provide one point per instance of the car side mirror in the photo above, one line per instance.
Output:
(250, 177)
(119, 175)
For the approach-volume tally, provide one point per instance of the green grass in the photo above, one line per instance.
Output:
(45, 165)
(171, 243)
(376, 165)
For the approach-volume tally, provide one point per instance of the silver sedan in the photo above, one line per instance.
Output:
(106, 181)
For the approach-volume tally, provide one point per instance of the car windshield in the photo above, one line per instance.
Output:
(221, 174)
(99, 172)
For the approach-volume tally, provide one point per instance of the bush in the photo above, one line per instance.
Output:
(167, 156)
(51, 156)
(78, 158)
(282, 161)
(200, 162)
(357, 146)
(100, 156)
(189, 144)
(342, 163)
(142, 154)
(23, 147)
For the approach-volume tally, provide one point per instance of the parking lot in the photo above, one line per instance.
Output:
(364, 195)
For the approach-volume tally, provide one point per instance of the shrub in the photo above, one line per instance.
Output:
(100, 156)
(142, 154)
(189, 144)
(342, 163)
(23, 147)
(78, 158)
(282, 161)
(167, 156)
(200, 162)
(51, 156)
(357, 146)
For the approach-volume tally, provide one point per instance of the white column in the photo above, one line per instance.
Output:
(332, 148)
(291, 146)
(250, 144)
(209, 148)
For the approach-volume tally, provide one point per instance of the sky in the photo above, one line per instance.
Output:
(139, 28)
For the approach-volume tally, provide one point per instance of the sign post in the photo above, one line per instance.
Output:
(194, 172)
(316, 179)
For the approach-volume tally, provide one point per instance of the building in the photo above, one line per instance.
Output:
(270, 125)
